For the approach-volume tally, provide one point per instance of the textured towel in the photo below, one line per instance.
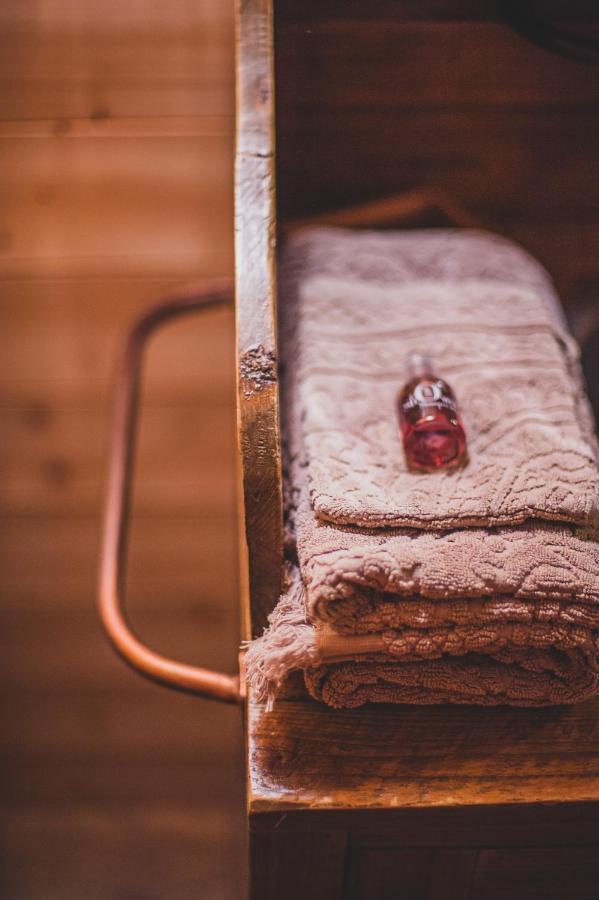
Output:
(441, 611)
(499, 657)
(506, 356)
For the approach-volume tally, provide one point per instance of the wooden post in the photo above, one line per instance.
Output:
(255, 222)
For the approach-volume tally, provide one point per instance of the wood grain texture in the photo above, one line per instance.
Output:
(116, 156)
(116, 131)
(306, 756)
(48, 322)
(47, 471)
(383, 873)
(59, 205)
(100, 60)
(258, 417)
(433, 854)
(142, 851)
(439, 803)
(48, 562)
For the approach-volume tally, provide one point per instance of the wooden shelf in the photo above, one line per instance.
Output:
(304, 755)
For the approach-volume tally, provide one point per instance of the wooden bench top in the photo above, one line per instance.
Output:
(305, 756)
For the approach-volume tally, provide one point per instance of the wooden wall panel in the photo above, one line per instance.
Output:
(132, 204)
(116, 154)
(261, 510)
(58, 462)
(141, 58)
(148, 851)
(388, 874)
(191, 360)
(423, 62)
(48, 561)
(375, 99)
(568, 873)
(297, 11)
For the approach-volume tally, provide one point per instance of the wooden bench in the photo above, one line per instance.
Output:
(409, 802)
(423, 802)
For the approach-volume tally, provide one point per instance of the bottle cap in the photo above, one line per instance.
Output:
(419, 365)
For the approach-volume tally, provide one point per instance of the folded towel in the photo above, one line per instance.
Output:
(499, 657)
(440, 611)
(487, 615)
(507, 357)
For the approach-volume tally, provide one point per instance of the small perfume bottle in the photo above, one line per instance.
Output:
(429, 419)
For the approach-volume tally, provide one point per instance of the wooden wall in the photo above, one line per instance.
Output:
(381, 97)
(116, 135)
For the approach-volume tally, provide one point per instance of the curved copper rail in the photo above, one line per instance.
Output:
(169, 672)
(392, 211)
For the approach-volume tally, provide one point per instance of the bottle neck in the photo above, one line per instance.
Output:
(419, 365)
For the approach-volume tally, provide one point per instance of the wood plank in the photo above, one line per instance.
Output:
(44, 651)
(50, 562)
(417, 10)
(185, 460)
(295, 866)
(388, 874)
(167, 209)
(391, 872)
(112, 59)
(567, 873)
(120, 851)
(55, 360)
(112, 724)
(258, 417)
(526, 874)
(137, 127)
(194, 775)
(116, 133)
(303, 755)
(508, 164)
(523, 173)
(345, 63)
(451, 874)
(451, 827)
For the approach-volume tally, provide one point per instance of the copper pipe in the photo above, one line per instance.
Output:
(169, 672)
(392, 211)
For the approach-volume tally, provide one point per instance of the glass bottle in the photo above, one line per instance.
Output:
(430, 424)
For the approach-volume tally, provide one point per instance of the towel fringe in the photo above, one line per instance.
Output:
(288, 643)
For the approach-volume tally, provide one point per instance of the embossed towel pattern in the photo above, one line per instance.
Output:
(480, 586)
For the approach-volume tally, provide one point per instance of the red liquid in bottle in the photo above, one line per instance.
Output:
(430, 423)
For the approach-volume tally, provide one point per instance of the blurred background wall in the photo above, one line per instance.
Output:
(116, 137)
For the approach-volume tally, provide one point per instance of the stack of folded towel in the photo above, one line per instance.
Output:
(479, 585)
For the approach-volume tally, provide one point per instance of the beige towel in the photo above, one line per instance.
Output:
(505, 357)
(471, 614)
(503, 655)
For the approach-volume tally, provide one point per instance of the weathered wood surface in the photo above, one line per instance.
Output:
(258, 420)
(306, 756)
(430, 803)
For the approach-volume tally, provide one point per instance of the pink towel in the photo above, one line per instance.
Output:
(479, 586)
